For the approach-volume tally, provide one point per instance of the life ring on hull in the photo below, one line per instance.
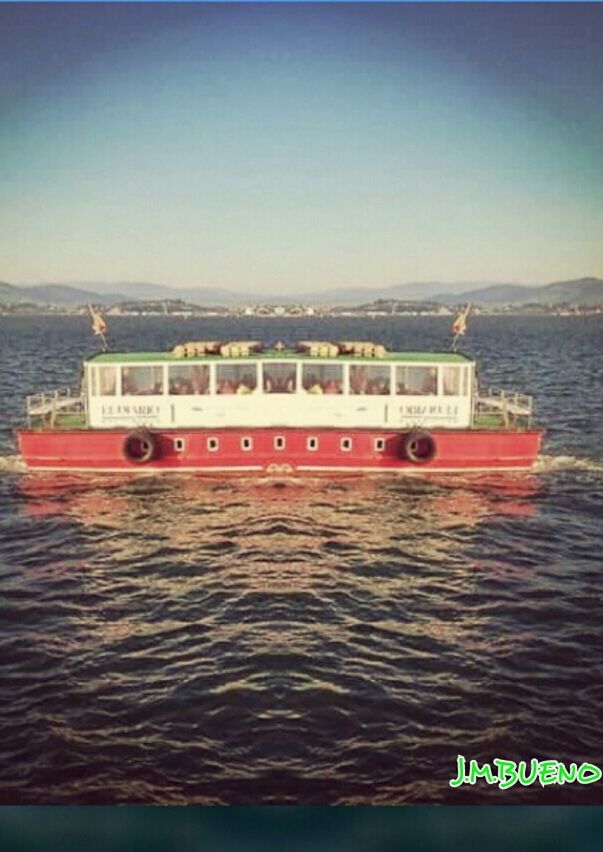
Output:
(141, 447)
(418, 446)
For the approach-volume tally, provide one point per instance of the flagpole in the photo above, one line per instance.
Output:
(98, 326)
(460, 326)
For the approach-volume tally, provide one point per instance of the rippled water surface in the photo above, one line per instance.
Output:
(185, 639)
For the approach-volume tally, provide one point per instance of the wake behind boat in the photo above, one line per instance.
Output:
(321, 406)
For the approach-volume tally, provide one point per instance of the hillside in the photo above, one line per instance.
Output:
(581, 291)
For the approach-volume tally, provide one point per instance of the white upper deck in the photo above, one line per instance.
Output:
(242, 385)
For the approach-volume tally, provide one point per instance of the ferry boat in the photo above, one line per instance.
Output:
(319, 406)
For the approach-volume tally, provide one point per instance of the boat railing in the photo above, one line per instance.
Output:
(49, 408)
(509, 405)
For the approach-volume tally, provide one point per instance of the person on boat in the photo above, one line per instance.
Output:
(246, 385)
(226, 386)
(311, 383)
(290, 383)
(178, 386)
(378, 387)
(358, 380)
(200, 380)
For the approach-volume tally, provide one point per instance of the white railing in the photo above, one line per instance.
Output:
(509, 404)
(48, 406)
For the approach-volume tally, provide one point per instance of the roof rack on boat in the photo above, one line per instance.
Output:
(363, 348)
(326, 349)
(319, 348)
(194, 349)
(232, 349)
(240, 348)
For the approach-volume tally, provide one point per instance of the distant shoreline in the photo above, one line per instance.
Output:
(515, 311)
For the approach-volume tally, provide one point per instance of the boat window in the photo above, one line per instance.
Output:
(141, 381)
(279, 377)
(312, 444)
(451, 381)
(346, 444)
(188, 379)
(379, 445)
(322, 378)
(107, 381)
(236, 378)
(247, 444)
(369, 379)
(416, 381)
(279, 443)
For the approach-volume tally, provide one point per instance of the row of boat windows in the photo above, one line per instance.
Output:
(312, 444)
(280, 378)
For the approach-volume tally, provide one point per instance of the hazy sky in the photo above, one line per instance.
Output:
(294, 147)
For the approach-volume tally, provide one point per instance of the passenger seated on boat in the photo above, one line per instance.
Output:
(430, 383)
(181, 386)
(200, 380)
(142, 380)
(247, 383)
(416, 380)
(322, 378)
(358, 380)
(279, 378)
(310, 381)
(236, 378)
(378, 387)
(186, 379)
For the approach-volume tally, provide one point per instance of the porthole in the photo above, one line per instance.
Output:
(379, 445)
(279, 442)
(179, 445)
(213, 445)
(247, 444)
(345, 445)
(312, 444)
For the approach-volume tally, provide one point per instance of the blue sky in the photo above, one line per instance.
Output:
(293, 147)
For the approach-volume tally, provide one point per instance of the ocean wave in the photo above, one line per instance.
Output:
(12, 464)
(555, 464)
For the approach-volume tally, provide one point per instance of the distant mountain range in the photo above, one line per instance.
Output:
(580, 291)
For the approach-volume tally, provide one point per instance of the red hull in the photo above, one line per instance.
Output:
(455, 450)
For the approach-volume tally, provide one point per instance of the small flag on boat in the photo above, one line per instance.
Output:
(99, 326)
(459, 326)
